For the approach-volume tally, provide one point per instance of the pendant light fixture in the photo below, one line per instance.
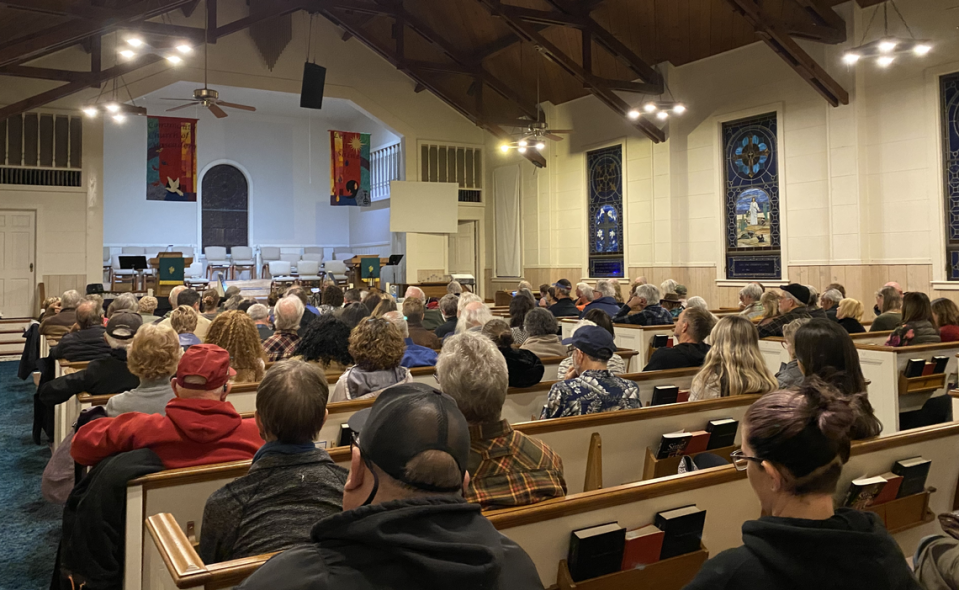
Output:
(887, 48)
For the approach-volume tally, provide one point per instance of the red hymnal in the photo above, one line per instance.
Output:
(643, 547)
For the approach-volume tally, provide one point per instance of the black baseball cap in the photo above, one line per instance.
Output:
(798, 291)
(407, 420)
(595, 341)
(124, 325)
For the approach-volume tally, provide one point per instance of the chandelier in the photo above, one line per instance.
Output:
(888, 47)
(660, 109)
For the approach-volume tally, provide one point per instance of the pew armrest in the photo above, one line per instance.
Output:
(185, 566)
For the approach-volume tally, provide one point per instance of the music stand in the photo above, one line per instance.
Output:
(134, 263)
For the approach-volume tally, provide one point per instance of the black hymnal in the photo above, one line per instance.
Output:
(683, 528)
(914, 367)
(941, 362)
(346, 436)
(596, 551)
(673, 444)
(660, 340)
(665, 394)
(722, 433)
(914, 472)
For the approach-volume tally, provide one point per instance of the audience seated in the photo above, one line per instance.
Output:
(588, 386)
(945, 314)
(792, 304)
(828, 353)
(332, 299)
(231, 299)
(615, 365)
(49, 307)
(812, 304)
(377, 348)
(87, 343)
(153, 357)
(645, 309)
(291, 483)
(584, 295)
(877, 309)
(210, 304)
(61, 322)
(473, 317)
(770, 303)
(830, 303)
(618, 290)
(794, 444)
(564, 305)
(454, 288)
(733, 365)
(448, 308)
(749, 301)
(541, 328)
(405, 523)
(98, 299)
(351, 296)
(372, 301)
(672, 304)
(889, 301)
(683, 292)
(790, 375)
(234, 332)
(415, 355)
(524, 369)
(126, 302)
(849, 315)
(325, 344)
(146, 306)
(190, 298)
(282, 344)
(507, 468)
(310, 313)
(692, 328)
(413, 309)
(917, 326)
(838, 287)
(353, 314)
(386, 305)
(246, 304)
(519, 306)
(604, 298)
(200, 426)
(260, 314)
(109, 374)
(183, 320)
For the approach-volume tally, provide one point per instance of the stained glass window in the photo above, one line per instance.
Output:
(604, 173)
(949, 89)
(752, 231)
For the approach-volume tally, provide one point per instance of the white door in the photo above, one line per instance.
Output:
(17, 260)
(463, 249)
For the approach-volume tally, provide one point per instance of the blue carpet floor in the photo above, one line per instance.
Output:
(31, 526)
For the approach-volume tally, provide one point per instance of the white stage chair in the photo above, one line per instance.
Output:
(308, 271)
(242, 257)
(280, 271)
(333, 268)
(267, 254)
(216, 259)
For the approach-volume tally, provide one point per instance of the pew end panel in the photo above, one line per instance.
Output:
(774, 352)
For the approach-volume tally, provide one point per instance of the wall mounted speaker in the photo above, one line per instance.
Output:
(314, 78)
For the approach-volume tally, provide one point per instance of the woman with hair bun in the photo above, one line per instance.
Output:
(794, 445)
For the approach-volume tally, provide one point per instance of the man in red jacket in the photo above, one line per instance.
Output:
(200, 426)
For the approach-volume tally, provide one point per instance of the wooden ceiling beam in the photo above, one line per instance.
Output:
(546, 17)
(823, 14)
(777, 37)
(91, 79)
(42, 73)
(278, 8)
(593, 84)
(193, 34)
(79, 10)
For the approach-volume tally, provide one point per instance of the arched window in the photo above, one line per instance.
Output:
(225, 206)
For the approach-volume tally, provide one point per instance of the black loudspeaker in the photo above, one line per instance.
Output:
(314, 78)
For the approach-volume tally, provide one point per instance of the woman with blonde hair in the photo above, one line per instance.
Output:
(236, 333)
(386, 305)
(849, 316)
(183, 320)
(152, 357)
(733, 365)
(770, 303)
(377, 348)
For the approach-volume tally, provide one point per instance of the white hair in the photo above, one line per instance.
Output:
(258, 312)
(399, 320)
(585, 291)
(580, 324)
(606, 288)
(833, 295)
(288, 312)
(117, 343)
(466, 299)
(752, 290)
(454, 287)
(697, 301)
(173, 295)
(669, 286)
(813, 296)
(70, 299)
(473, 372)
(475, 314)
(415, 292)
(648, 292)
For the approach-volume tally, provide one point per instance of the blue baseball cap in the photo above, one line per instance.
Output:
(594, 341)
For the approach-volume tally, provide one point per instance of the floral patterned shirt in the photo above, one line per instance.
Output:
(590, 393)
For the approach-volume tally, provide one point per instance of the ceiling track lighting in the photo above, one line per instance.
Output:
(886, 48)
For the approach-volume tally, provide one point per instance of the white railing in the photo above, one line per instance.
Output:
(385, 166)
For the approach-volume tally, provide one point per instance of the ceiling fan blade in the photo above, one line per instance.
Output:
(559, 130)
(235, 106)
(182, 106)
(552, 137)
(178, 99)
(217, 111)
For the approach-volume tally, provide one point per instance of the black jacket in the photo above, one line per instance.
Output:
(851, 325)
(82, 345)
(525, 368)
(564, 308)
(91, 548)
(431, 543)
(831, 313)
(31, 351)
(850, 551)
(680, 356)
(106, 375)
(448, 328)
(817, 313)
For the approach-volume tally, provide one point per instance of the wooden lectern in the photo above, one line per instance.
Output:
(354, 273)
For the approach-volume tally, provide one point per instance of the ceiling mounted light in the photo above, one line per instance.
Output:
(541, 145)
(851, 57)
(522, 143)
(119, 117)
(521, 150)
(174, 59)
(184, 48)
(885, 61)
(112, 107)
(661, 115)
(135, 41)
(650, 107)
(127, 53)
(90, 111)
(679, 109)
(921, 49)
(885, 48)
(633, 114)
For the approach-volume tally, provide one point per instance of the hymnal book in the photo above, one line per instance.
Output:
(914, 473)
(643, 546)
(660, 340)
(722, 433)
(928, 368)
(596, 551)
(346, 436)
(914, 367)
(890, 490)
(673, 444)
(683, 396)
(698, 443)
(941, 362)
(664, 394)
(863, 491)
(683, 528)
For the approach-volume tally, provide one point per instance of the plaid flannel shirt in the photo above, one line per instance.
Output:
(508, 468)
(775, 327)
(280, 345)
(652, 315)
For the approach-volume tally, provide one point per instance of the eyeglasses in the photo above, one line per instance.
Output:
(741, 461)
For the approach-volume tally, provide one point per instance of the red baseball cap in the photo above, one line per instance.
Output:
(204, 366)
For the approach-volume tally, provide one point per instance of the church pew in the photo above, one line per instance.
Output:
(774, 351)
(628, 336)
(543, 529)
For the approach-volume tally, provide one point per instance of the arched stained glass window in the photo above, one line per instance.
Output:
(604, 176)
(949, 91)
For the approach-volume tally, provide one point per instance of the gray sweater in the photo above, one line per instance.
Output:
(150, 397)
(271, 508)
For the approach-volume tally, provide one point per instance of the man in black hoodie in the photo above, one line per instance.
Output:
(405, 523)
(692, 327)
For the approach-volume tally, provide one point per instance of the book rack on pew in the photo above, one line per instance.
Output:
(905, 513)
(654, 468)
(921, 384)
(669, 574)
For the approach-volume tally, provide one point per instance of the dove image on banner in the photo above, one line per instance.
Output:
(171, 159)
(350, 168)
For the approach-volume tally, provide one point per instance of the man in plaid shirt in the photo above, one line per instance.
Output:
(282, 344)
(645, 300)
(507, 468)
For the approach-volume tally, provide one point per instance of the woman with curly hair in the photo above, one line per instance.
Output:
(183, 320)
(153, 357)
(325, 343)
(236, 333)
(377, 348)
